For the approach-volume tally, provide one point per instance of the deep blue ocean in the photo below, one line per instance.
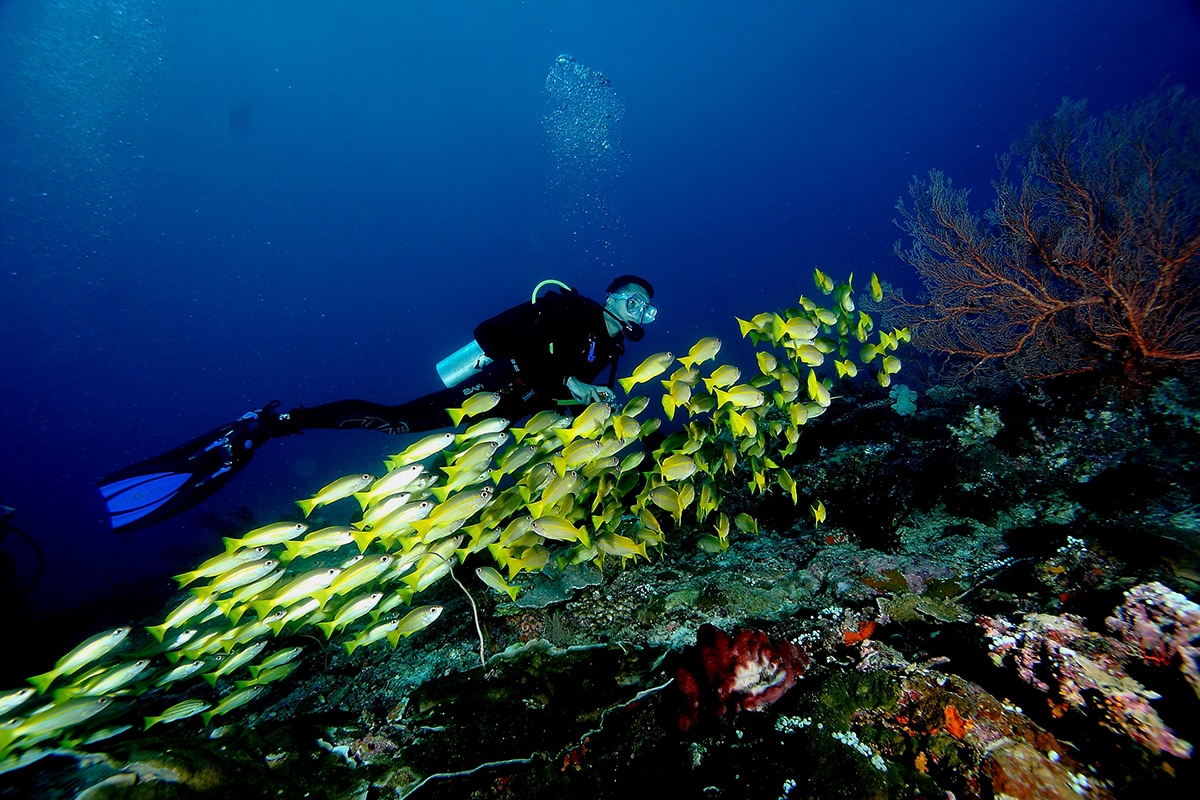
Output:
(207, 206)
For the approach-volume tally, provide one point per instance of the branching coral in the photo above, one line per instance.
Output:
(1090, 257)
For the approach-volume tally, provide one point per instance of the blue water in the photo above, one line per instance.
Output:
(206, 206)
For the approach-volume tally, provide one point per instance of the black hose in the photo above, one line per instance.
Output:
(7, 527)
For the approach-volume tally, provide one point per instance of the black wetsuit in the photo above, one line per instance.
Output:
(534, 348)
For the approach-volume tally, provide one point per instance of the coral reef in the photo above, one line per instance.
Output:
(1059, 656)
(721, 674)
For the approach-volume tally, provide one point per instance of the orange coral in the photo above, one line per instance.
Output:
(866, 629)
(956, 726)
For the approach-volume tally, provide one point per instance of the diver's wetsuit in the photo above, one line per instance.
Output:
(534, 348)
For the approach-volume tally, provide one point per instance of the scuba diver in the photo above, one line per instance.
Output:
(543, 353)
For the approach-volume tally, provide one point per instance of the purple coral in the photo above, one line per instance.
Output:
(1059, 656)
(1160, 624)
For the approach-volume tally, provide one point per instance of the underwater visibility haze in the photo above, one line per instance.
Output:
(897, 496)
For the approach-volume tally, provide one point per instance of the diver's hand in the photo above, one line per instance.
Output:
(589, 393)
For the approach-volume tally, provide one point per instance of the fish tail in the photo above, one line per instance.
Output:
(43, 681)
(363, 539)
(308, 505)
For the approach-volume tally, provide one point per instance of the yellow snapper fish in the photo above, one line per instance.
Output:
(722, 377)
(324, 540)
(275, 533)
(105, 682)
(846, 368)
(389, 485)
(234, 606)
(181, 671)
(616, 545)
(52, 719)
(10, 701)
(372, 634)
(459, 507)
(760, 325)
(556, 490)
(472, 456)
(559, 529)
(677, 394)
(218, 564)
(88, 651)
(191, 607)
(577, 453)
(351, 578)
(276, 673)
(541, 421)
(485, 427)
(495, 581)
(799, 329)
(422, 449)
(531, 559)
(416, 620)
(339, 489)
(236, 700)
(177, 712)
(678, 467)
(635, 405)
(587, 424)
(476, 404)
(284, 656)
(704, 350)
(823, 281)
(349, 611)
(512, 460)
(302, 586)
(745, 523)
(240, 575)
(234, 662)
(741, 396)
(817, 391)
(648, 370)
(395, 523)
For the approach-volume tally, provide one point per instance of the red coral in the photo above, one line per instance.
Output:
(744, 672)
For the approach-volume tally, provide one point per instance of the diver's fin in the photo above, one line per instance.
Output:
(161, 487)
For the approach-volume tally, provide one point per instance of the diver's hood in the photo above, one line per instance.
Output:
(632, 330)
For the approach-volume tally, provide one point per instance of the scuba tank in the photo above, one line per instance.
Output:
(470, 359)
(462, 364)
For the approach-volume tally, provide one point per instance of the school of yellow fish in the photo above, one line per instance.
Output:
(560, 488)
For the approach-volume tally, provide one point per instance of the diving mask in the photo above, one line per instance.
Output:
(637, 307)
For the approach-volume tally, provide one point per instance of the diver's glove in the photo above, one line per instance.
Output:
(266, 423)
